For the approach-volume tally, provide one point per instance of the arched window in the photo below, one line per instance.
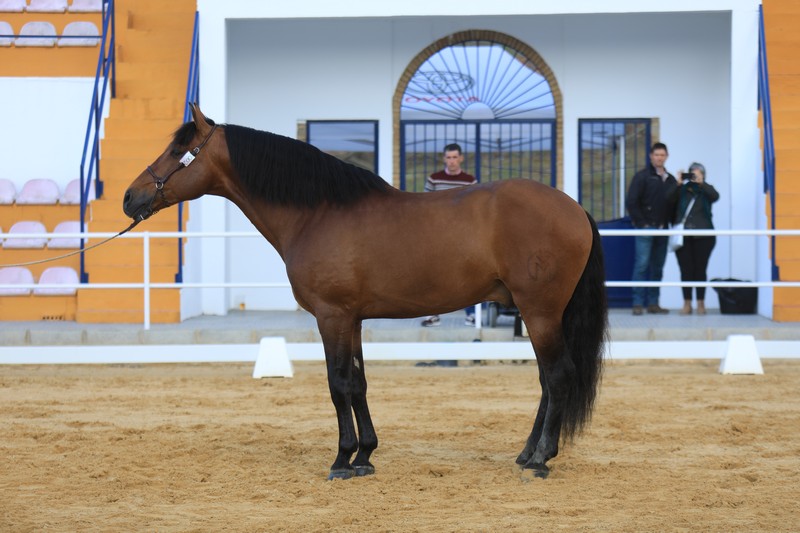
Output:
(491, 94)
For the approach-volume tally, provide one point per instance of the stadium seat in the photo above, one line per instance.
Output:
(47, 6)
(36, 33)
(6, 29)
(72, 193)
(79, 33)
(12, 6)
(86, 6)
(57, 275)
(39, 191)
(68, 226)
(26, 226)
(8, 192)
(15, 276)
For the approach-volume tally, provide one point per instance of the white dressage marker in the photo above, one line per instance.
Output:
(741, 356)
(272, 360)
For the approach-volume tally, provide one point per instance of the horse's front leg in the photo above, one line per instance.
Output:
(337, 339)
(367, 439)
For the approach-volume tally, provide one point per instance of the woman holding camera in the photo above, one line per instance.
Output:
(691, 200)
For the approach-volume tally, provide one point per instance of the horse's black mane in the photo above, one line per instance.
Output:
(290, 172)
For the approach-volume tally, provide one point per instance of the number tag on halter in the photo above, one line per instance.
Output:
(187, 159)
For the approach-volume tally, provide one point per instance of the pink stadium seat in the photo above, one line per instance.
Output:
(72, 193)
(8, 192)
(86, 30)
(26, 226)
(12, 6)
(41, 34)
(39, 191)
(69, 226)
(6, 29)
(47, 6)
(15, 276)
(57, 275)
(86, 6)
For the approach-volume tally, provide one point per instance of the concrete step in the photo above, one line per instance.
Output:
(160, 222)
(154, 47)
(163, 19)
(787, 248)
(156, 6)
(787, 159)
(176, 70)
(785, 84)
(127, 305)
(788, 182)
(111, 210)
(131, 274)
(785, 117)
(162, 107)
(144, 88)
(44, 308)
(115, 316)
(140, 130)
(114, 190)
(785, 313)
(115, 171)
(49, 215)
(120, 148)
(790, 270)
(129, 253)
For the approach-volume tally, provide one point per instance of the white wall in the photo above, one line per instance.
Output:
(607, 66)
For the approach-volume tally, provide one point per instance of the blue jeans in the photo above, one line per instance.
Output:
(648, 265)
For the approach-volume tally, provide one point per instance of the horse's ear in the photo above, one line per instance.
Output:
(199, 118)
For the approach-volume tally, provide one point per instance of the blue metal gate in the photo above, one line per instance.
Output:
(493, 149)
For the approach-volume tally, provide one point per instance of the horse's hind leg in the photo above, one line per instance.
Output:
(556, 375)
(367, 439)
(536, 432)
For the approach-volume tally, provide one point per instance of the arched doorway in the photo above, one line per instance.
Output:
(490, 93)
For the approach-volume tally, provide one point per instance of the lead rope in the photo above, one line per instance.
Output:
(126, 230)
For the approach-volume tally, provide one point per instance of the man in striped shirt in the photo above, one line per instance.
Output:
(450, 177)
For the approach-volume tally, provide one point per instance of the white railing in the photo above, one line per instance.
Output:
(146, 285)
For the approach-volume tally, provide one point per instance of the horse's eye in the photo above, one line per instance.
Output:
(176, 153)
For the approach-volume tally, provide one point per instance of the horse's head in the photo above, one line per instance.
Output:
(182, 172)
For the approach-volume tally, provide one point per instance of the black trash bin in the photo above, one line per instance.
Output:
(736, 300)
(618, 253)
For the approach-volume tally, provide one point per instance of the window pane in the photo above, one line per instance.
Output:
(354, 142)
(611, 152)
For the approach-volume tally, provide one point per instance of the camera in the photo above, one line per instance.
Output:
(687, 176)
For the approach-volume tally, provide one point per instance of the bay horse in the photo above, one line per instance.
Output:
(357, 248)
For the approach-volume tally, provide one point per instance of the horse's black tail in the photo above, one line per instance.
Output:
(585, 325)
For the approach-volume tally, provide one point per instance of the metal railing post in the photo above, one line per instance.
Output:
(146, 278)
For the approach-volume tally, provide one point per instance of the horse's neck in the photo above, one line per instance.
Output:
(278, 224)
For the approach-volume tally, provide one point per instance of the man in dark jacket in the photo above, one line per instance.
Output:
(647, 206)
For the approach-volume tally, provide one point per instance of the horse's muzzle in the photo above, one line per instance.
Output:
(137, 206)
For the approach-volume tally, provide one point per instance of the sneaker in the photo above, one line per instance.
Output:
(470, 320)
(657, 310)
(638, 310)
(431, 321)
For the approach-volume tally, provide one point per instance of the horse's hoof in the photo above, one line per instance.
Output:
(535, 471)
(364, 470)
(522, 459)
(342, 473)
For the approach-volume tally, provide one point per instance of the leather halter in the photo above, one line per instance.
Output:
(185, 161)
